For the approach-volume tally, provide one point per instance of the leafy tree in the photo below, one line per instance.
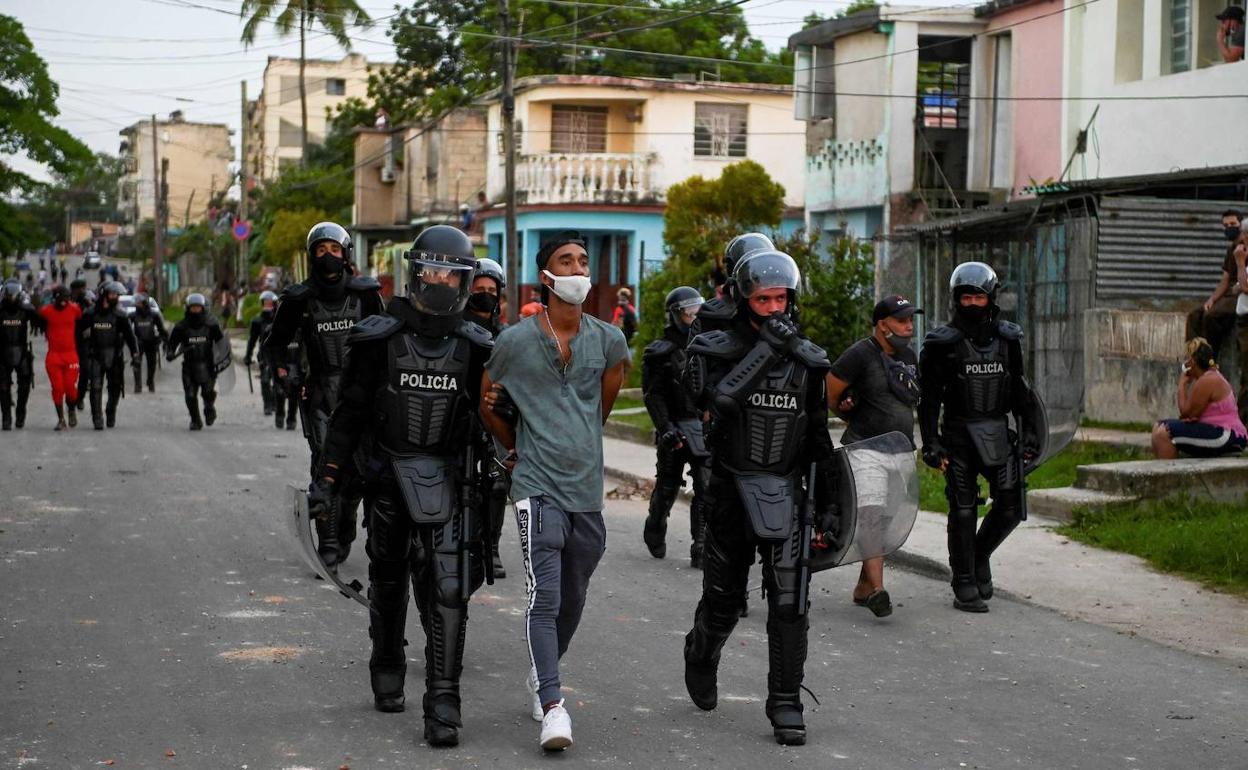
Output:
(448, 52)
(334, 16)
(27, 106)
(208, 246)
(288, 235)
(703, 215)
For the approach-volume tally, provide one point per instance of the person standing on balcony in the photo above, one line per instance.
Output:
(1231, 34)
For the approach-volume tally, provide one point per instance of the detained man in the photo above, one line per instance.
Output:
(548, 388)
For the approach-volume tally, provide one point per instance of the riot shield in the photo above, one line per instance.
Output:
(223, 363)
(300, 523)
(877, 493)
(1036, 426)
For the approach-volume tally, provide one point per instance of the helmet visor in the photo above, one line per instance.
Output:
(767, 270)
(439, 286)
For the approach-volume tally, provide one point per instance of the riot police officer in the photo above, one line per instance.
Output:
(84, 298)
(197, 335)
(149, 330)
(488, 283)
(104, 328)
(409, 397)
(17, 319)
(719, 310)
(260, 326)
(972, 379)
(763, 384)
(677, 426)
(319, 313)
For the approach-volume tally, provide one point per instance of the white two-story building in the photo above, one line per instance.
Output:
(597, 155)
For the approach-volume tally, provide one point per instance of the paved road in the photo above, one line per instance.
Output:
(153, 615)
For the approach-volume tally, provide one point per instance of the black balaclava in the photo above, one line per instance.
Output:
(195, 319)
(974, 321)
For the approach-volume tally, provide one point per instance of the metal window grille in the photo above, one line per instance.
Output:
(1180, 35)
(719, 130)
(577, 129)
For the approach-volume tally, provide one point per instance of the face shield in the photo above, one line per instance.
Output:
(439, 285)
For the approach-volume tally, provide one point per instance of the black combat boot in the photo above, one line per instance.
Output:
(60, 416)
(110, 415)
(19, 415)
(702, 669)
(73, 416)
(387, 666)
(996, 527)
(786, 648)
(7, 422)
(961, 535)
(192, 406)
(210, 409)
(661, 499)
(327, 545)
(446, 629)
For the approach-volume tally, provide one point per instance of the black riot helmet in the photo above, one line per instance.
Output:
(328, 267)
(196, 299)
(679, 302)
(60, 296)
(744, 244)
(973, 278)
(769, 269)
(440, 266)
(141, 303)
(267, 296)
(484, 302)
(12, 293)
(193, 300)
(110, 292)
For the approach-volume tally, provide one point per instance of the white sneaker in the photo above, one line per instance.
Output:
(537, 702)
(556, 729)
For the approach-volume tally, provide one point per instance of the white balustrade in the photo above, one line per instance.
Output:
(593, 177)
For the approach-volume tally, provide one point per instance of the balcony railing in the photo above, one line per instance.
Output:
(593, 177)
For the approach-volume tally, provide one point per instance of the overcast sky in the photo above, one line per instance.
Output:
(119, 61)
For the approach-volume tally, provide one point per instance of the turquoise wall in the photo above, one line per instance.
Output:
(645, 232)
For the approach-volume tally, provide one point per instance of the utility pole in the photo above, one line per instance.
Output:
(508, 105)
(163, 223)
(158, 255)
(244, 257)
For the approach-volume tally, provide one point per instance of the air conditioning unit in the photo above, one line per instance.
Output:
(387, 175)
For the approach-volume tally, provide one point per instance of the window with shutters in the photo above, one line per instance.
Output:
(719, 130)
(577, 129)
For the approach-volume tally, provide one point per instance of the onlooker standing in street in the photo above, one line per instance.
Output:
(533, 306)
(561, 371)
(625, 316)
(1215, 319)
(1231, 34)
(874, 386)
(1208, 425)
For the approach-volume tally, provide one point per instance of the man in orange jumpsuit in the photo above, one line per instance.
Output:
(62, 318)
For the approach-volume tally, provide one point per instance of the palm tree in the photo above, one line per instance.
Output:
(335, 16)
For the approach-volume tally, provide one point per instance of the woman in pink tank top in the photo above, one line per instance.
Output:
(1208, 424)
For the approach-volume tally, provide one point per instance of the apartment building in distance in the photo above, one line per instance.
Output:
(199, 156)
(274, 131)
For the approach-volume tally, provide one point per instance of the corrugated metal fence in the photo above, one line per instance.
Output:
(1149, 248)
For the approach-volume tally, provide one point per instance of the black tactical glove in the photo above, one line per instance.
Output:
(246, 360)
(781, 333)
(504, 407)
(670, 437)
(320, 494)
(934, 455)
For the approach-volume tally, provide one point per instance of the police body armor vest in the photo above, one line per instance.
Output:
(424, 403)
(266, 325)
(12, 336)
(982, 373)
(329, 324)
(144, 328)
(768, 432)
(102, 344)
(197, 355)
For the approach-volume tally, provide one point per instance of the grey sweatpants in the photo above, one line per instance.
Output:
(561, 550)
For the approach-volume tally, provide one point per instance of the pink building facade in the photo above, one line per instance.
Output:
(1016, 114)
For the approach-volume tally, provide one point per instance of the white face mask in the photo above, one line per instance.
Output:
(572, 289)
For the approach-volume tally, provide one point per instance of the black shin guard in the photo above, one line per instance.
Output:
(387, 615)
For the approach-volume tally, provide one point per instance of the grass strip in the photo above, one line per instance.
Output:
(1200, 539)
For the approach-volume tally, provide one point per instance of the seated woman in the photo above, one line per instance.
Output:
(1208, 424)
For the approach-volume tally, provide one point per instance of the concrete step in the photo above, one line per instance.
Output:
(1224, 478)
(1059, 503)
